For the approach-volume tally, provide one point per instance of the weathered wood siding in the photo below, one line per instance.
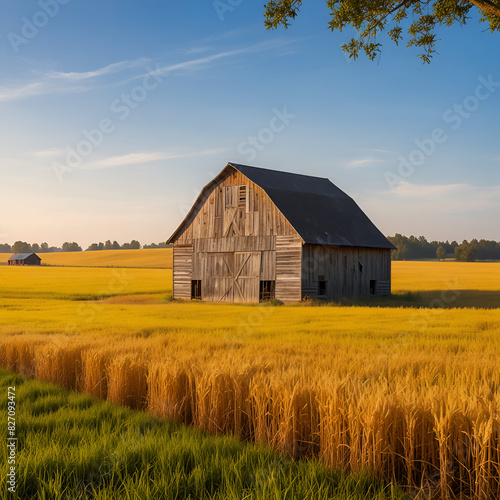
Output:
(222, 214)
(237, 237)
(182, 271)
(347, 271)
(288, 268)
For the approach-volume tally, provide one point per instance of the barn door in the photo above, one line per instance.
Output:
(246, 277)
(220, 271)
(232, 277)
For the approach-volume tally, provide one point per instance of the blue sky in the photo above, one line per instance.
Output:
(113, 115)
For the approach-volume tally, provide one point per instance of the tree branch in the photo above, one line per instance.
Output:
(487, 6)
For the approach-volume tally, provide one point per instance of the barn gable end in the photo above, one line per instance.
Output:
(232, 240)
(251, 230)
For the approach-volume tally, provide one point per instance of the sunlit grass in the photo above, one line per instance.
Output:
(79, 283)
(73, 447)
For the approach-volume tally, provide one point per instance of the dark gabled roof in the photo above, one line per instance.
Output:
(21, 256)
(319, 211)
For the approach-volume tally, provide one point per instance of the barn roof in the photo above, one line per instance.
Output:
(319, 211)
(21, 256)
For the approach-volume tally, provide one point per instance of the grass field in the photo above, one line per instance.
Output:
(409, 393)
(154, 257)
(73, 447)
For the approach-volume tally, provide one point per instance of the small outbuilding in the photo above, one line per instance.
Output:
(24, 259)
(255, 234)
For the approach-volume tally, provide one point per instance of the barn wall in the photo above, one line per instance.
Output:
(288, 268)
(32, 260)
(236, 239)
(254, 216)
(182, 271)
(347, 271)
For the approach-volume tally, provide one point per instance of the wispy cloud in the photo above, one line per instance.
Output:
(405, 188)
(376, 150)
(106, 70)
(456, 198)
(21, 92)
(363, 162)
(133, 159)
(454, 211)
(49, 153)
(53, 82)
(203, 62)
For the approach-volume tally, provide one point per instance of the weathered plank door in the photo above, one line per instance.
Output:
(232, 277)
(220, 271)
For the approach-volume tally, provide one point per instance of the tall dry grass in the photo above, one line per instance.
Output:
(432, 429)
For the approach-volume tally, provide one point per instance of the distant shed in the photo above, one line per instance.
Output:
(255, 234)
(24, 259)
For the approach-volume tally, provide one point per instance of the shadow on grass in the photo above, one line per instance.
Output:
(446, 299)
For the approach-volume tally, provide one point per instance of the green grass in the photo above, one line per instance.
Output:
(71, 446)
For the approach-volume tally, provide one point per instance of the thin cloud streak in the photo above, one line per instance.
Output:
(201, 61)
(363, 162)
(55, 82)
(134, 159)
(106, 70)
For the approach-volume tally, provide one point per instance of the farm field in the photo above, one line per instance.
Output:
(152, 257)
(409, 393)
(139, 456)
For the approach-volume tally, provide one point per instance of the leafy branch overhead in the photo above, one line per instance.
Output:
(415, 21)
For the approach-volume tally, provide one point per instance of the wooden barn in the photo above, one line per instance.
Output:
(24, 259)
(256, 234)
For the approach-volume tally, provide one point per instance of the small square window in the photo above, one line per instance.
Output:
(373, 287)
(266, 291)
(196, 289)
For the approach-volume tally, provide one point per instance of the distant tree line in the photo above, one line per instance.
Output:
(72, 246)
(408, 248)
(133, 245)
(25, 247)
(411, 248)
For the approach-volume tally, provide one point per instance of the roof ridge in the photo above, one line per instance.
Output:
(235, 165)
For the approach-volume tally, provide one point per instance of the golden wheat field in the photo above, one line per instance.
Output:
(410, 393)
(153, 257)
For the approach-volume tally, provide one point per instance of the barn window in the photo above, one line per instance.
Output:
(242, 196)
(266, 290)
(322, 286)
(196, 289)
(229, 197)
(373, 287)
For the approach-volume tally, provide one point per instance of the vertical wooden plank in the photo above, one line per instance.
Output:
(182, 271)
(288, 268)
